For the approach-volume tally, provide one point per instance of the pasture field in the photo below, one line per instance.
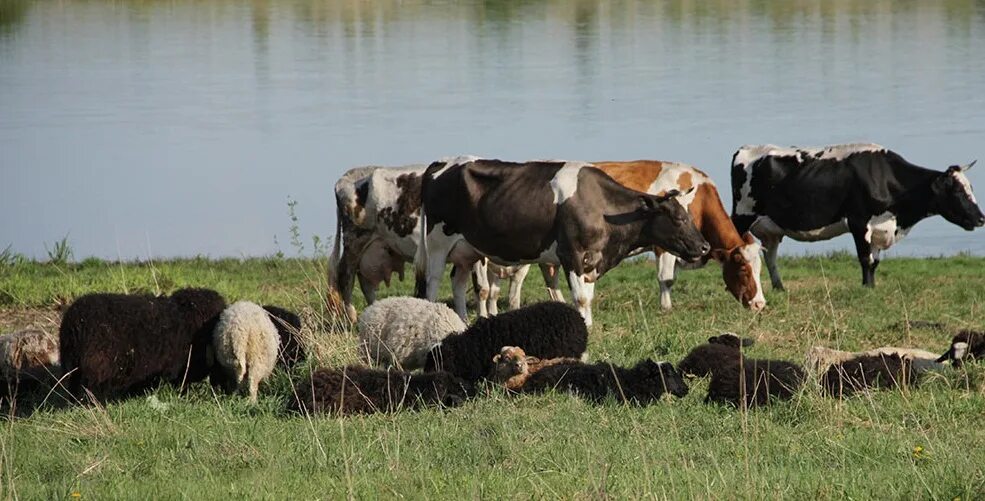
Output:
(923, 443)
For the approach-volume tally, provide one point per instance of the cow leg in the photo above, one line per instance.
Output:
(863, 249)
(346, 282)
(493, 298)
(582, 292)
(369, 289)
(516, 285)
(666, 273)
(459, 286)
(770, 246)
(551, 279)
(875, 261)
(481, 285)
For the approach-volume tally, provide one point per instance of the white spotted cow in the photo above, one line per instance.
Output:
(812, 194)
(562, 213)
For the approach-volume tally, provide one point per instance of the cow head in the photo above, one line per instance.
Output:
(954, 199)
(740, 269)
(669, 226)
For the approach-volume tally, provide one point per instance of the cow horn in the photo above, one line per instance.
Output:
(969, 165)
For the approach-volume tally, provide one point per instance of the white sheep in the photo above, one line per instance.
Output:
(246, 343)
(819, 358)
(400, 331)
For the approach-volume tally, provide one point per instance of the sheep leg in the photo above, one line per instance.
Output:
(666, 273)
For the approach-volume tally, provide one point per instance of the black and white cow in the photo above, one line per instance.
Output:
(564, 213)
(378, 227)
(812, 194)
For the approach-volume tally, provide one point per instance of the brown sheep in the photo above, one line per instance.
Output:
(512, 366)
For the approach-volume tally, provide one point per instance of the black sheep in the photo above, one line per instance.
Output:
(118, 344)
(642, 384)
(361, 390)
(965, 345)
(719, 351)
(754, 382)
(289, 328)
(868, 371)
(545, 330)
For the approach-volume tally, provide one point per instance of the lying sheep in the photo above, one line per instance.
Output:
(246, 343)
(361, 390)
(719, 351)
(289, 330)
(118, 344)
(400, 331)
(965, 345)
(544, 330)
(642, 384)
(513, 367)
(28, 357)
(818, 358)
(753, 382)
(868, 371)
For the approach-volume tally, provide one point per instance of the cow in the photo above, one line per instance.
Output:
(377, 228)
(812, 194)
(556, 212)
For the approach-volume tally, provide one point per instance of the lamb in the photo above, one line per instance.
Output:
(119, 344)
(246, 344)
(641, 384)
(868, 371)
(545, 330)
(289, 330)
(513, 367)
(818, 359)
(361, 390)
(966, 344)
(28, 357)
(400, 331)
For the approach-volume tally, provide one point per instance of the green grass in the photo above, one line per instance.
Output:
(201, 445)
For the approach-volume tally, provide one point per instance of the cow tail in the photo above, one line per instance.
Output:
(421, 258)
(336, 257)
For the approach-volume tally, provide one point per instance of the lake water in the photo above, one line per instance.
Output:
(173, 128)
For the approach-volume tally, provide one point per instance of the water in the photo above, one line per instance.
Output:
(174, 128)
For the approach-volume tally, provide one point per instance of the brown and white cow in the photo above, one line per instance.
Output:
(563, 213)
(738, 254)
(378, 211)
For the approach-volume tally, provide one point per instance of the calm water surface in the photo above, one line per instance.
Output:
(169, 128)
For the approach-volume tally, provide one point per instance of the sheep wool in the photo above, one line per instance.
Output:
(246, 343)
(400, 331)
(867, 371)
(641, 384)
(28, 356)
(288, 326)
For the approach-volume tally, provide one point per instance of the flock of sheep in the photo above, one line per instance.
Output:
(112, 346)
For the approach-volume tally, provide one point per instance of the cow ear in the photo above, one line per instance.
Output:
(647, 203)
(748, 238)
(737, 256)
(668, 195)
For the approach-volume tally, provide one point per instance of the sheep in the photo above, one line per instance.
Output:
(868, 371)
(545, 330)
(361, 390)
(27, 357)
(753, 382)
(641, 384)
(400, 331)
(818, 358)
(119, 344)
(966, 344)
(720, 350)
(513, 367)
(246, 344)
(289, 330)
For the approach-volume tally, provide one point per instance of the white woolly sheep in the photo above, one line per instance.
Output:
(28, 356)
(246, 342)
(400, 331)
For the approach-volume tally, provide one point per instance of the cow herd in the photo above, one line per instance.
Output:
(491, 219)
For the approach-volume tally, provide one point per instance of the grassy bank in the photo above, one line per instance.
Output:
(924, 443)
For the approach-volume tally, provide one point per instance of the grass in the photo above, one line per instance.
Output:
(922, 443)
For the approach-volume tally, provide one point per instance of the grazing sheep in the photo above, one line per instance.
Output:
(246, 342)
(753, 382)
(818, 358)
(966, 344)
(513, 367)
(642, 384)
(868, 371)
(119, 344)
(289, 330)
(400, 331)
(27, 357)
(545, 330)
(719, 351)
(361, 390)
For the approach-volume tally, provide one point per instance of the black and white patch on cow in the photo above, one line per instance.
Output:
(563, 213)
(812, 194)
